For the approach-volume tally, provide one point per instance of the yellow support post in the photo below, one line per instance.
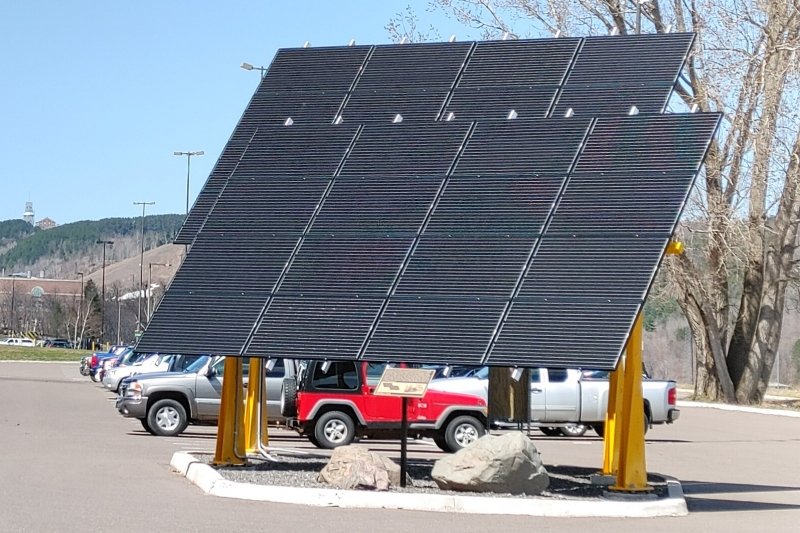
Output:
(632, 471)
(613, 429)
(255, 411)
(230, 429)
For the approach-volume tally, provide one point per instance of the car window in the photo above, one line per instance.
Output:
(483, 373)
(197, 365)
(375, 371)
(557, 375)
(340, 376)
(535, 376)
(278, 371)
(219, 368)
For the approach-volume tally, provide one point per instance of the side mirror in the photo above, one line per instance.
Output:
(211, 372)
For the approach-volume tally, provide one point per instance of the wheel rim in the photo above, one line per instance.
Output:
(574, 430)
(167, 418)
(465, 435)
(335, 431)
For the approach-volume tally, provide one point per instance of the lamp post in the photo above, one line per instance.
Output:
(150, 285)
(141, 269)
(103, 293)
(80, 313)
(248, 66)
(188, 171)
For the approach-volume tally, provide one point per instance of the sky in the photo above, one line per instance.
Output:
(95, 96)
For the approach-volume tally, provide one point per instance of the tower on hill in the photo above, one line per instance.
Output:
(27, 216)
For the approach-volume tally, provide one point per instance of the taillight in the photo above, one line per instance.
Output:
(672, 395)
(94, 359)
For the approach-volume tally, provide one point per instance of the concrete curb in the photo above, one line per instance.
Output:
(211, 482)
(740, 408)
(39, 362)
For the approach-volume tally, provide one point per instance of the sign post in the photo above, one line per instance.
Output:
(404, 383)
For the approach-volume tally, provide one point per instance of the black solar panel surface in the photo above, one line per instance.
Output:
(429, 230)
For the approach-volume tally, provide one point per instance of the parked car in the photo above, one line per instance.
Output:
(20, 341)
(145, 364)
(567, 401)
(167, 402)
(332, 403)
(57, 343)
(97, 360)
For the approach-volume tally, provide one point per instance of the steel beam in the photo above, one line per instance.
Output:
(230, 429)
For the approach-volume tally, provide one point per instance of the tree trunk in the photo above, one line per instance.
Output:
(509, 400)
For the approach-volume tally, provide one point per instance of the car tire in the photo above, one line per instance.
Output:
(550, 431)
(334, 429)
(573, 430)
(463, 431)
(289, 398)
(95, 376)
(146, 426)
(441, 443)
(600, 428)
(167, 418)
(313, 440)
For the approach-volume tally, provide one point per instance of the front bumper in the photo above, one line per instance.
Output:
(111, 381)
(673, 415)
(132, 407)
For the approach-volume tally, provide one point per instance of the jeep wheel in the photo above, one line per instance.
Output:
(441, 443)
(463, 431)
(289, 398)
(334, 429)
(167, 418)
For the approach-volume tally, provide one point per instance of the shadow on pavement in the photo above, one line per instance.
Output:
(712, 487)
(705, 505)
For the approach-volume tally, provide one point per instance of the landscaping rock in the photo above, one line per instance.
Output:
(354, 467)
(504, 464)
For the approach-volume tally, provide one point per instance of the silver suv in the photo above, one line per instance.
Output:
(167, 402)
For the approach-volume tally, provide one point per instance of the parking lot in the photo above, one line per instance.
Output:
(71, 463)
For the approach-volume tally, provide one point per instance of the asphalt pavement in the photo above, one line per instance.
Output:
(70, 463)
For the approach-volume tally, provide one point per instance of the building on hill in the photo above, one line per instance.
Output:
(46, 223)
(27, 216)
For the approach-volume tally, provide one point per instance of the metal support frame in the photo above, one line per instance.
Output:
(632, 471)
(613, 427)
(255, 427)
(230, 431)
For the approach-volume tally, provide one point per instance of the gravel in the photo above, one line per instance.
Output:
(566, 482)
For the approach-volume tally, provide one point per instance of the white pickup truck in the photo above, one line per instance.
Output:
(566, 401)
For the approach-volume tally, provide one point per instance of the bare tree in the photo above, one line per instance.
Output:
(742, 223)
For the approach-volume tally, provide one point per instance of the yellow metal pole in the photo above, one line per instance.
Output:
(613, 429)
(632, 471)
(230, 412)
(253, 405)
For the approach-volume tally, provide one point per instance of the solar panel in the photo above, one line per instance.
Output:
(238, 257)
(528, 242)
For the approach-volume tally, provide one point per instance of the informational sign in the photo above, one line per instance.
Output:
(404, 382)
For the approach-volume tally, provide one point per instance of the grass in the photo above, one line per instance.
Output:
(37, 353)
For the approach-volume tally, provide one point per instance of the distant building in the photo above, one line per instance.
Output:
(46, 223)
(27, 216)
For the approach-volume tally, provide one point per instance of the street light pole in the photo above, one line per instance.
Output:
(141, 269)
(80, 314)
(248, 66)
(103, 291)
(150, 285)
(188, 171)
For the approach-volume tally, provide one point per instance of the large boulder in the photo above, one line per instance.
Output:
(354, 467)
(504, 464)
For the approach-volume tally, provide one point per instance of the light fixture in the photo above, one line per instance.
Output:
(450, 116)
(398, 118)
(516, 373)
(338, 120)
(452, 38)
(270, 364)
(633, 110)
(511, 115)
(326, 365)
(569, 112)
(446, 371)
(288, 122)
(352, 42)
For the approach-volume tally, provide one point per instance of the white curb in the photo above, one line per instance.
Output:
(741, 408)
(211, 482)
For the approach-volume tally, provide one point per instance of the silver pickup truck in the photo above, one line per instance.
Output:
(167, 402)
(567, 401)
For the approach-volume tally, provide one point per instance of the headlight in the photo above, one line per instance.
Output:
(134, 390)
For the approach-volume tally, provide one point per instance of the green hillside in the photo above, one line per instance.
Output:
(24, 245)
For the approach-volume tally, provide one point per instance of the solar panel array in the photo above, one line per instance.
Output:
(451, 234)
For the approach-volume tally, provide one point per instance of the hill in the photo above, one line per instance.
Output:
(64, 251)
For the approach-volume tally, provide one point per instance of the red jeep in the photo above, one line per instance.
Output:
(332, 403)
